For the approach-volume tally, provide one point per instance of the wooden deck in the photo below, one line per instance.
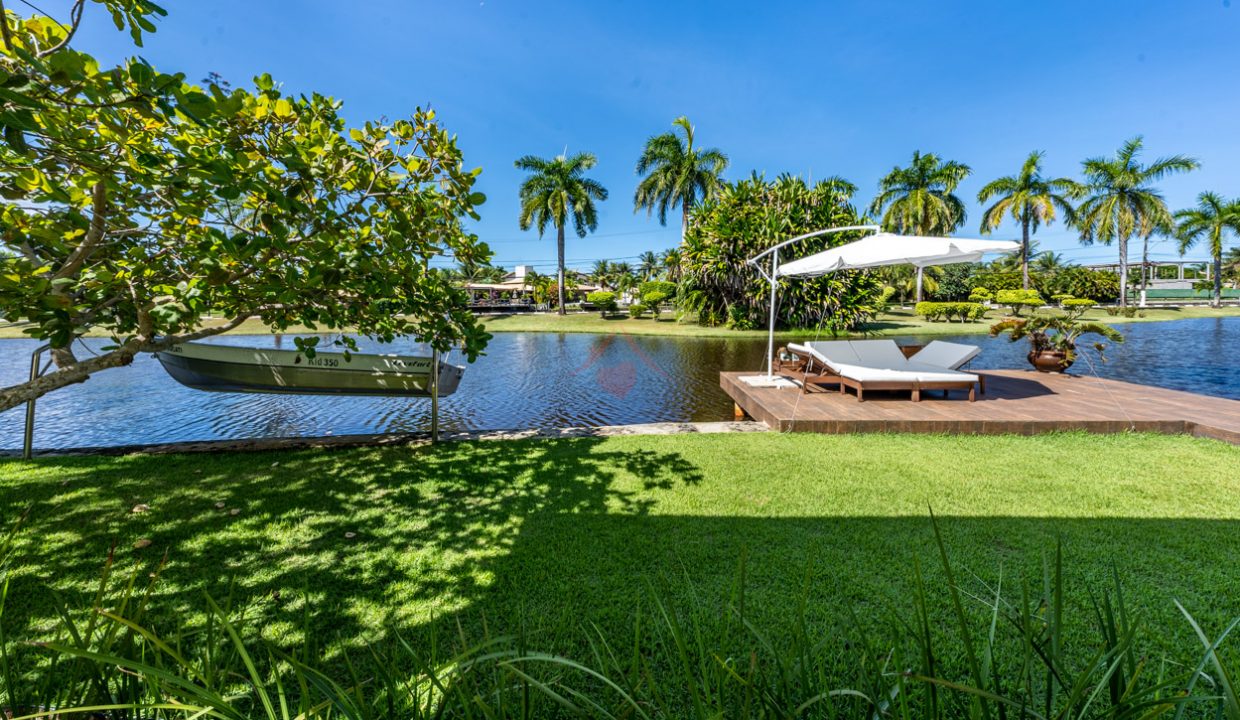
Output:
(1016, 401)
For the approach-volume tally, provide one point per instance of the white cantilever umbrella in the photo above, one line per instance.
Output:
(874, 251)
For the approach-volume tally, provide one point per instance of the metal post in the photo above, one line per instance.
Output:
(434, 395)
(28, 436)
(770, 338)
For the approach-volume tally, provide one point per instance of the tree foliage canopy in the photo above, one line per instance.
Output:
(139, 203)
(920, 199)
(752, 215)
(676, 173)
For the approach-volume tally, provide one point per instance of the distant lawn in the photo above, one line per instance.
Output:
(897, 322)
(559, 535)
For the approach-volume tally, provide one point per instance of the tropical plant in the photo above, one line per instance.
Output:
(1211, 220)
(1083, 282)
(154, 212)
(1231, 265)
(1030, 199)
(1056, 332)
(555, 191)
(750, 216)
(904, 279)
(675, 173)
(1122, 202)
(952, 282)
(920, 199)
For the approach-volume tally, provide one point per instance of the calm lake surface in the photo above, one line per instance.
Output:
(535, 380)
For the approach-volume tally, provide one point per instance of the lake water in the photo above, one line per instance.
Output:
(535, 380)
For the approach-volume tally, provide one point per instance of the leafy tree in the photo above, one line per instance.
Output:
(1082, 282)
(1123, 202)
(556, 190)
(920, 199)
(1213, 218)
(1031, 200)
(139, 204)
(954, 282)
(1231, 265)
(750, 216)
(677, 173)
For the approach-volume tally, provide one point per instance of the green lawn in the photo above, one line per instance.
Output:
(564, 534)
(896, 322)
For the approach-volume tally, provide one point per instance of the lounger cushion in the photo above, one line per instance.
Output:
(868, 374)
(834, 353)
(879, 354)
(945, 354)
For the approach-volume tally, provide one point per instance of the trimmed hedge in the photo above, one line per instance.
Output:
(964, 311)
(1017, 299)
(636, 310)
(653, 286)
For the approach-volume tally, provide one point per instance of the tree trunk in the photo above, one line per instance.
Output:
(1145, 267)
(1123, 271)
(1218, 276)
(684, 220)
(1024, 253)
(559, 247)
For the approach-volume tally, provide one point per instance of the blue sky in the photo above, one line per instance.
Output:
(847, 88)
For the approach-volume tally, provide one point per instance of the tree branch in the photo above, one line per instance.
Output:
(98, 223)
(75, 19)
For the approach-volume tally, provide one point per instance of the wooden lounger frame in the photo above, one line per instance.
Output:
(811, 371)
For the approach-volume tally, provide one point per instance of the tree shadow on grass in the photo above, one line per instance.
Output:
(551, 536)
(374, 538)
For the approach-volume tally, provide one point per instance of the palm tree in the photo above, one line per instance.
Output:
(1049, 263)
(1031, 200)
(920, 199)
(1210, 220)
(677, 173)
(1123, 201)
(647, 265)
(600, 274)
(554, 190)
(671, 260)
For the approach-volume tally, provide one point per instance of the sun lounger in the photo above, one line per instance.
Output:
(881, 365)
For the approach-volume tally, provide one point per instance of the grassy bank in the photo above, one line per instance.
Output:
(557, 536)
(896, 322)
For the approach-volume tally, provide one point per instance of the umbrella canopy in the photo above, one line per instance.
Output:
(890, 249)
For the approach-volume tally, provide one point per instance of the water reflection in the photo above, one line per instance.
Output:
(532, 380)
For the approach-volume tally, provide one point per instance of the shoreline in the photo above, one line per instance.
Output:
(895, 323)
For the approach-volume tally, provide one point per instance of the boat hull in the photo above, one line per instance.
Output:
(220, 368)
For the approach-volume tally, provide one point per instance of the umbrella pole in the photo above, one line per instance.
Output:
(770, 340)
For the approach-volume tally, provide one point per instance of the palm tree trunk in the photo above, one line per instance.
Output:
(684, 220)
(1145, 267)
(559, 247)
(1123, 271)
(1218, 276)
(1024, 253)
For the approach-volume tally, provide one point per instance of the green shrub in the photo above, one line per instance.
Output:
(980, 295)
(996, 281)
(1076, 307)
(1082, 282)
(603, 301)
(1019, 299)
(636, 310)
(1061, 297)
(962, 311)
